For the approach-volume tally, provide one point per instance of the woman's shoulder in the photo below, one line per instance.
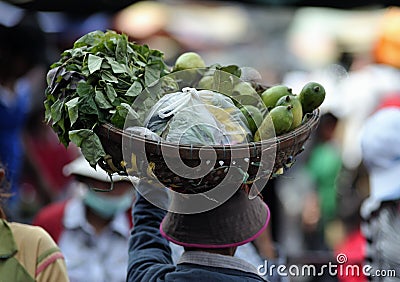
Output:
(23, 227)
(38, 253)
(31, 236)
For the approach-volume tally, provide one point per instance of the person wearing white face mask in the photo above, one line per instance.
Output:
(92, 228)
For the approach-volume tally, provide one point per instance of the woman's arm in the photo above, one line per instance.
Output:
(149, 253)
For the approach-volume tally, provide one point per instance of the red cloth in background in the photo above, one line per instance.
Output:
(50, 156)
(353, 248)
(392, 100)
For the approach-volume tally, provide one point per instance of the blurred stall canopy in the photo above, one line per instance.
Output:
(77, 7)
(321, 3)
(94, 6)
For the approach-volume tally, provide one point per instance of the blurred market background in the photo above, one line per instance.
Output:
(315, 206)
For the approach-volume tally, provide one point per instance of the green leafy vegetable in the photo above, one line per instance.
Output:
(95, 82)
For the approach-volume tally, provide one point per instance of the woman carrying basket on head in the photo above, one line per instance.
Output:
(209, 238)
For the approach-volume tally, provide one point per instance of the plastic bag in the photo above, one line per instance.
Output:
(143, 132)
(199, 118)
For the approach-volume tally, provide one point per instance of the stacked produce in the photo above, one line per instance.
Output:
(103, 75)
(288, 110)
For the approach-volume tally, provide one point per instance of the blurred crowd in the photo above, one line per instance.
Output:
(315, 206)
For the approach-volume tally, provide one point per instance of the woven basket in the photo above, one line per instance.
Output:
(287, 147)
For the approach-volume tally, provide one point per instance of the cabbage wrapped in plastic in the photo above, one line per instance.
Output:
(143, 132)
(199, 118)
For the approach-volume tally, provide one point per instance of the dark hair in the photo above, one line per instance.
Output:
(327, 123)
(4, 186)
(328, 119)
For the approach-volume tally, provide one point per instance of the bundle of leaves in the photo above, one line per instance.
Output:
(96, 82)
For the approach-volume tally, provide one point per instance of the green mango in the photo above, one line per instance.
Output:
(253, 116)
(271, 95)
(189, 60)
(206, 82)
(188, 68)
(278, 121)
(248, 100)
(297, 109)
(244, 88)
(311, 96)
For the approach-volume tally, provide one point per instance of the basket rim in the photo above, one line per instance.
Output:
(295, 136)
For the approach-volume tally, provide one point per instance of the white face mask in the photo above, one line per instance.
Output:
(107, 206)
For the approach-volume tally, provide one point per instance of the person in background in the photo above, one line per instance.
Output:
(210, 239)
(92, 228)
(27, 253)
(380, 139)
(21, 50)
(323, 166)
(358, 95)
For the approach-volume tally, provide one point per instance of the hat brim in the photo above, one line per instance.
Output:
(81, 167)
(384, 183)
(236, 222)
